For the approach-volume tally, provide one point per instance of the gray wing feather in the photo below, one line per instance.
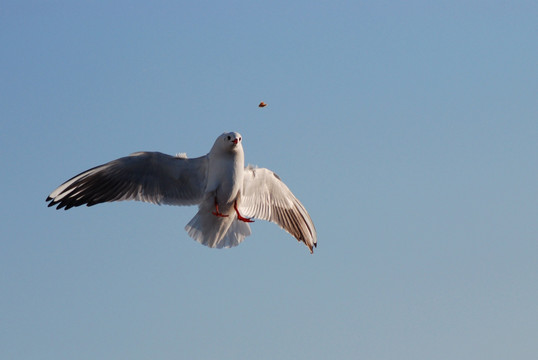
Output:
(266, 197)
(143, 176)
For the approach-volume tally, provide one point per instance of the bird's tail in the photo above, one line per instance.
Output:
(217, 232)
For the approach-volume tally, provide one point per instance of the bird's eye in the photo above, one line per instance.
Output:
(229, 137)
(239, 139)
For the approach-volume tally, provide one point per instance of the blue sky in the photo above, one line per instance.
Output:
(407, 129)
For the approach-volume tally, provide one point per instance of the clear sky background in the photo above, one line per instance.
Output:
(409, 130)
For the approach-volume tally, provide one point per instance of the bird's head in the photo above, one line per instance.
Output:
(228, 142)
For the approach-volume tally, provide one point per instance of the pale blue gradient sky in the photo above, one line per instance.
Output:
(408, 130)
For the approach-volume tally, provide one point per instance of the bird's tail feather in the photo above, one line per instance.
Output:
(217, 232)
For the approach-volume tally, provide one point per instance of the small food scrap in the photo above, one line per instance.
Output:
(262, 104)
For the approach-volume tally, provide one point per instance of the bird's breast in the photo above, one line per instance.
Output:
(225, 178)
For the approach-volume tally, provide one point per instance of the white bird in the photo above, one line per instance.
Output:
(227, 193)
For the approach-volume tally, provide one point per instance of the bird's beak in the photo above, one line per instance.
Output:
(235, 141)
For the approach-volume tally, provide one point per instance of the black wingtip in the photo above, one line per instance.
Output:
(53, 203)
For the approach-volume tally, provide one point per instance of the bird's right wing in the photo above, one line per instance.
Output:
(152, 177)
(266, 197)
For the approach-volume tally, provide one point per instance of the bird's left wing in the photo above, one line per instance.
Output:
(144, 176)
(266, 197)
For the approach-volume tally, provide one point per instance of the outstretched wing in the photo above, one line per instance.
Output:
(143, 176)
(266, 197)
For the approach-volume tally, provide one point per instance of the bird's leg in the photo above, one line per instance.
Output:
(217, 212)
(239, 217)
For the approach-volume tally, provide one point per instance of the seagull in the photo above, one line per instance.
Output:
(228, 194)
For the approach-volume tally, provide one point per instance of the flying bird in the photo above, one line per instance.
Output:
(262, 104)
(227, 193)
